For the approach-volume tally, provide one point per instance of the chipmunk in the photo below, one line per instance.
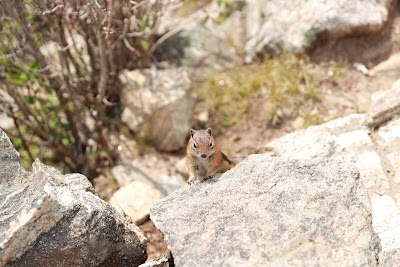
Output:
(204, 157)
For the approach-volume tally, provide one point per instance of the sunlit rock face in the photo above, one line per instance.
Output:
(271, 211)
(50, 219)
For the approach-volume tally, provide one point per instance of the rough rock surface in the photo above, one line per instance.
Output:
(50, 219)
(135, 199)
(386, 212)
(375, 152)
(10, 169)
(150, 169)
(142, 182)
(271, 211)
(345, 139)
(390, 66)
(390, 258)
(280, 25)
(158, 104)
(385, 108)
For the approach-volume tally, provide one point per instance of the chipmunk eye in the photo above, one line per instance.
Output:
(194, 145)
(211, 144)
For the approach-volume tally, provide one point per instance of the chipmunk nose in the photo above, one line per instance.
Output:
(203, 156)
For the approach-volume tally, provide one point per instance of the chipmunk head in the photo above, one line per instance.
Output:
(202, 143)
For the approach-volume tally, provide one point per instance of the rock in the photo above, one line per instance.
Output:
(50, 52)
(181, 166)
(143, 181)
(135, 199)
(10, 168)
(206, 49)
(152, 169)
(389, 258)
(50, 219)
(158, 104)
(169, 184)
(208, 41)
(142, 184)
(344, 139)
(385, 108)
(279, 26)
(386, 221)
(375, 154)
(6, 122)
(271, 211)
(388, 143)
(127, 173)
(105, 186)
(76, 44)
(164, 261)
(298, 123)
(388, 66)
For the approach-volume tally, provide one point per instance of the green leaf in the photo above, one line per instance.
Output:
(114, 122)
(53, 123)
(143, 24)
(53, 133)
(35, 65)
(17, 78)
(144, 44)
(65, 141)
(29, 100)
(64, 125)
(17, 142)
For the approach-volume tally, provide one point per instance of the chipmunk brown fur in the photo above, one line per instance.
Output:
(204, 157)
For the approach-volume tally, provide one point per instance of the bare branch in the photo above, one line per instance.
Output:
(46, 12)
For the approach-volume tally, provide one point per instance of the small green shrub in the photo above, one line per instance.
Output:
(65, 101)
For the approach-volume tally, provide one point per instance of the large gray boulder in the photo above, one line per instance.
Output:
(344, 139)
(158, 104)
(278, 25)
(271, 212)
(208, 41)
(371, 141)
(50, 219)
(142, 182)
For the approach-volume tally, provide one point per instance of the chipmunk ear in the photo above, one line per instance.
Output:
(209, 131)
(192, 132)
